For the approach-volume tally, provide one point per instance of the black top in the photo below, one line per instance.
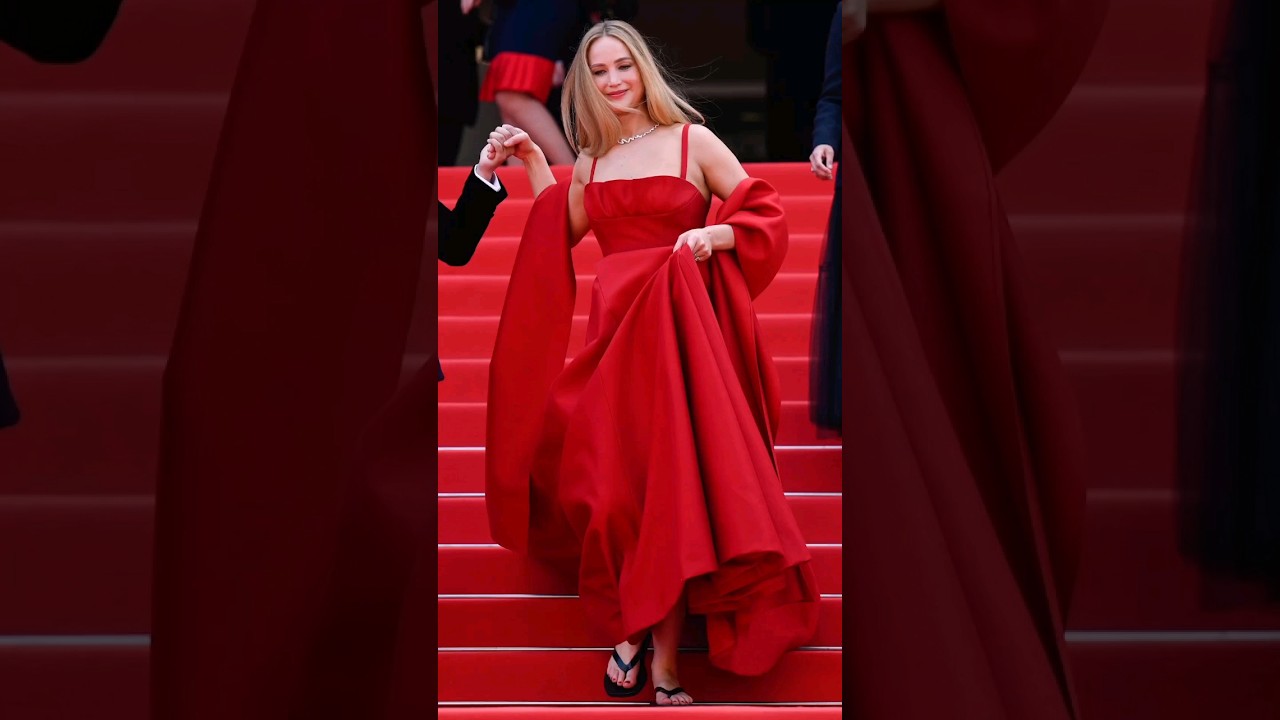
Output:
(462, 227)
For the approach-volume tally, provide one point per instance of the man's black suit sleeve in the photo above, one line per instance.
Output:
(462, 227)
(826, 122)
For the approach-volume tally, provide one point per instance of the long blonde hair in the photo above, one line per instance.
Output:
(588, 119)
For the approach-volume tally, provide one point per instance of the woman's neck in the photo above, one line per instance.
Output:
(635, 123)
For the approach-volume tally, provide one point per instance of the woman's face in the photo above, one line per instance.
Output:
(615, 73)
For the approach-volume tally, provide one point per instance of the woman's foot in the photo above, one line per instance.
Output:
(629, 652)
(665, 679)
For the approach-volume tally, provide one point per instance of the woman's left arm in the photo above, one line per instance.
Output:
(722, 173)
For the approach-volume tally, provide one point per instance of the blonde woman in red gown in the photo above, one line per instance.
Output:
(647, 463)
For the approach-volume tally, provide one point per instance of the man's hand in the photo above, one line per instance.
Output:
(504, 142)
(820, 161)
(853, 20)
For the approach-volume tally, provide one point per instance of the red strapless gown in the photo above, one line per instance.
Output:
(652, 467)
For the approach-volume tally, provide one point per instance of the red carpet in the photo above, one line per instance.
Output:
(493, 614)
(91, 278)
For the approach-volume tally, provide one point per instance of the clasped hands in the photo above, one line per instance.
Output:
(506, 141)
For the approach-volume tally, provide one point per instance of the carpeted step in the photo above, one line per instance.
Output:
(463, 425)
(100, 548)
(814, 468)
(573, 675)
(90, 425)
(557, 621)
(1109, 150)
(1127, 411)
(75, 565)
(1132, 577)
(69, 680)
(1124, 678)
(618, 711)
(1172, 677)
(493, 570)
(1103, 282)
(109, 157)
(131, 278)
(1151, 42)
(464, 520)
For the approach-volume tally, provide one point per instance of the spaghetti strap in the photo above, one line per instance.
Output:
(594, 160)
(684, 151)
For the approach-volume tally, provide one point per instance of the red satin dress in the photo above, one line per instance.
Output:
(652, 466)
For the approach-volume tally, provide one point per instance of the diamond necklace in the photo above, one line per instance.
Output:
(626, 140)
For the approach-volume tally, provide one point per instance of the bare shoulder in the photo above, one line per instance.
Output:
(702, 138)
(717, 163)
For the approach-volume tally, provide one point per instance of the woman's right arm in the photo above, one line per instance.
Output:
(517, 142)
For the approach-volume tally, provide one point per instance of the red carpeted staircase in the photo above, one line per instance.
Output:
(104, 167)
(495, 613)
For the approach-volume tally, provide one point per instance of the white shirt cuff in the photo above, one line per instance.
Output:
(495, 184)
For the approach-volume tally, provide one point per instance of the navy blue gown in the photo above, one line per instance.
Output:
(825, 377)
(1229, 321)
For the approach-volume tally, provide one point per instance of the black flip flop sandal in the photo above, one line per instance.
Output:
(613, 689)
(664, 691)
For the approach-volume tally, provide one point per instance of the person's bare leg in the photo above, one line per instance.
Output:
(528, 114)
(666, 652)
(628, 652)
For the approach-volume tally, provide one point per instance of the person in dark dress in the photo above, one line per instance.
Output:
(529, 45)
(1229, 320)
(462, 227)
(782, 31)
(526, 41)
(461, 33)
(50, 32)
(825, 379)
